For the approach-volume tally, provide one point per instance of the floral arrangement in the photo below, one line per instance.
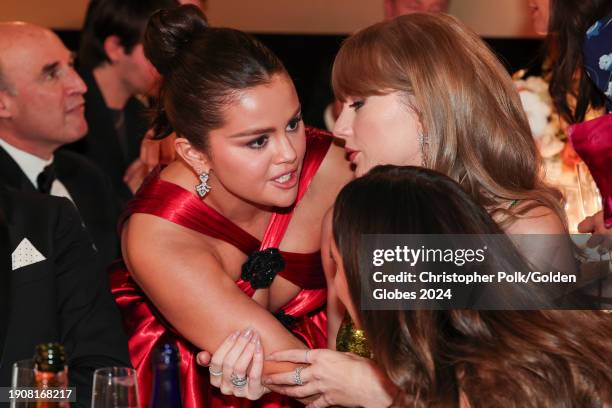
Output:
(546, 126)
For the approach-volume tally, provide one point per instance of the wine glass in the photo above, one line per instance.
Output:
(115, 387)
(574, 209)
(589, 194)
(22, 377)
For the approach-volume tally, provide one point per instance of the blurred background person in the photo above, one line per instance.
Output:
(199, 3)
(394, 8)
(579, 47)
(581, 79)
(41, 109)
(111, 61)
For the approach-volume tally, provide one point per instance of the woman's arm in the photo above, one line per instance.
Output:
(187, 284)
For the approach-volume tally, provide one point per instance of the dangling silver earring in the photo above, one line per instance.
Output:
(422, 143)
(203, 188)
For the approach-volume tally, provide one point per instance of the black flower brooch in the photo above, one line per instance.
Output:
(261, 267)
(286, 320)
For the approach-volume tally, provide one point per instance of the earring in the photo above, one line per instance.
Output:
(203, 188)
(422, 143)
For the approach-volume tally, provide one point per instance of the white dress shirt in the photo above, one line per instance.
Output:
(32, 166)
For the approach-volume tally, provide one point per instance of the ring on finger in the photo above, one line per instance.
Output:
(297, 376)
(239, 382)
(213, 372)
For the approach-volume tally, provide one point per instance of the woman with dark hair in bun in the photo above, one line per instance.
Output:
(228, 235)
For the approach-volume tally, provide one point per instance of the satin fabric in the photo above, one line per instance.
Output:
(592, 141)
(146, 327)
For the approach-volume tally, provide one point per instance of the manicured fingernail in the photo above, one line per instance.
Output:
(267, 381)
(235, 335)
(258, 346)
(254, 338)
(202, 362)
(247, 333)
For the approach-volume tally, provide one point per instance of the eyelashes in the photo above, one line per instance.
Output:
(294, 123)
(356, 105)
(260, 141)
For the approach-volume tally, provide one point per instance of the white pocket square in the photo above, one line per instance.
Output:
(26, 254)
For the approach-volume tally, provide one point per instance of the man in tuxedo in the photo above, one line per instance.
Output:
(41, 109)
(111, 61)
(51, 290)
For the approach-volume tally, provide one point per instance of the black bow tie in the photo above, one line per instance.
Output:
(45, 179)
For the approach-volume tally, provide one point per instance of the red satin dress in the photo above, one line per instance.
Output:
(304, 315)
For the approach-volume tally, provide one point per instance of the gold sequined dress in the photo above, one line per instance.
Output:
(352, 340)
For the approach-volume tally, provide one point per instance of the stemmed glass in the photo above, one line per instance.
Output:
(115, 387)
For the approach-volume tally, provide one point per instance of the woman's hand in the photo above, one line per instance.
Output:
(135, 175)
(154, 152)
(229, 366)
(602, 236)
(339, 379)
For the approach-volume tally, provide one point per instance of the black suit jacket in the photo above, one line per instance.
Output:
(101, 144)
(64, 298)
(90, 189)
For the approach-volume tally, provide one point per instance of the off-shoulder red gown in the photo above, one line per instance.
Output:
(304, 315)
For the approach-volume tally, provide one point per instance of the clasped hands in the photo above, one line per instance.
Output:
(322, 378)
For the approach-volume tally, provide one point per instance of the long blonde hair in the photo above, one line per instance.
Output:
(475, 128)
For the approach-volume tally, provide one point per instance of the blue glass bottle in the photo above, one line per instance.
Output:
(166, 386)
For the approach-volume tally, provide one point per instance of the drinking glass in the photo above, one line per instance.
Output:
(589, 194)
(115, 387)
(574, 209)
(23, 376)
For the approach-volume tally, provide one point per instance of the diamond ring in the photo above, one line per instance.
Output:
(297, 376)
(213, 372)
(239, 382)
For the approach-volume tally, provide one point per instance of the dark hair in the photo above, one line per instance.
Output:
(569, 21)
(537, 358)
(203, 69)
(126, 19)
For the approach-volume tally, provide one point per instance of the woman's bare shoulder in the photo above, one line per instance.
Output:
(536, 220)
(332, 175)
(148, 239)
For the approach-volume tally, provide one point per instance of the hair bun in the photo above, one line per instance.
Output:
(169, 32)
